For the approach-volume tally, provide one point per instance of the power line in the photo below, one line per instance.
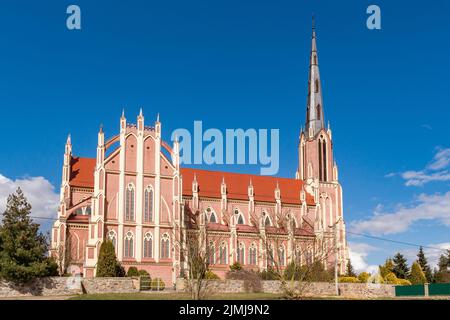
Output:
(396, 241)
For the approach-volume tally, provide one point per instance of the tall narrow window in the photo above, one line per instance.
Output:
(320, 161)
(240, 254)
(316, 87)
(148, 204)
(281, 256)
(112, 238)
(270, 257)
(129, 203)
(318, 112)
(165, 243)
(252, 254)
(223, 253)
(325, 174)
(212, 253)
(128, 245)
(148, 245)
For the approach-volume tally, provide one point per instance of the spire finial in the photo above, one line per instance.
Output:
(68, 139)
(157, 117)
(140, 112)
(123, 113)
(101, 127)
(313, 22)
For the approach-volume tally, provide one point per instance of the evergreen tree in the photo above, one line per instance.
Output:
(423, 262)
(417, 276)
(443, 263)
(350, 270)
(400, 269)
(23, 249)
(107, 265)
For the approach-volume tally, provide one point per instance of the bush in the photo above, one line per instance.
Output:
(391, 278)
(236, 266)
(107, 265)
(211, 275)
(157, 283)
(132, 272)
(269, 274)
(364, 277)
(348, 280)
(143, 273)
(120, 270)
(403, 282)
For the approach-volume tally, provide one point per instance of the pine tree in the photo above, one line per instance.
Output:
(23, 249)
(107, 265)
(423, 262)
(443, 263)
(400, 269)
(350, 270)
(417, 276)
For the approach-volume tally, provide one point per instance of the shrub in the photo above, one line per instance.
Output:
(157, 283)
(120, 270)
(391, 278)
(132, 272)
(364, 277)
(107, 265)
(236, 266)
(269, 274)
(403, 282)
(417, 276)
(377, 278)
(348, 280)
(143, 273)
(211, 275)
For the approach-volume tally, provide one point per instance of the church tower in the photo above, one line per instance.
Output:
(316, 166)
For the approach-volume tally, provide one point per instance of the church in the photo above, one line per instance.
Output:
(136, 194)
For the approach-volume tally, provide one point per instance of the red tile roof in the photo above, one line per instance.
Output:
(82, 175)
(82, 172)
(209, 183)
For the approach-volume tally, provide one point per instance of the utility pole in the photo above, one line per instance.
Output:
(336, 282)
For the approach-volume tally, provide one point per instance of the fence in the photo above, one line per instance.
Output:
(435, 289)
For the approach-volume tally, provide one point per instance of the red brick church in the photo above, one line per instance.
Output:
(135, 194)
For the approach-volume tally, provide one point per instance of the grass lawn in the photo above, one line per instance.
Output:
(175, 296)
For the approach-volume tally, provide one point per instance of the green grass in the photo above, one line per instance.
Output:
(175, 296)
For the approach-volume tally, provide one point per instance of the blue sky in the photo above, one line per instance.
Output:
(242, 64)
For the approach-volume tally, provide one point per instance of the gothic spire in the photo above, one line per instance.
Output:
(314, 106)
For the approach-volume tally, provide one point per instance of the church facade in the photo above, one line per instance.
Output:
(136, 194)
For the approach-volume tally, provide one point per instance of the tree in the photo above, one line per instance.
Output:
(443, 263)
(107, 265)
(423, 262)
(417, 276)
(387, 268)
(23, 249)
(400, 269)
(350, 270)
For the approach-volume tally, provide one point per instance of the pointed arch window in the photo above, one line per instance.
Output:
(322, 147)
(211, 215)
(240, 253)
(212, 253)
(148, 204)
(318, 112)
(165, 246)
(281, 255)
(129, 203)
(128, 245)
(223, 253)
(270, 256)
(148, 245)
(112, 237)
(252, 254)
(267, 222)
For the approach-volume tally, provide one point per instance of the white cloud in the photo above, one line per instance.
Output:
(426, 207)
(358, 256)
(39, 192)
(436, 170)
